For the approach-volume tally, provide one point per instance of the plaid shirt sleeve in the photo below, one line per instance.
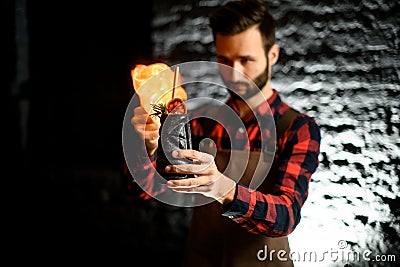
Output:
(138, 176)
(141, 180)
(278, 214)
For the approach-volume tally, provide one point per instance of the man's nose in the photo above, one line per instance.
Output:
(236, 72)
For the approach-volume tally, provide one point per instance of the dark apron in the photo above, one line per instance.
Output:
(215, 240)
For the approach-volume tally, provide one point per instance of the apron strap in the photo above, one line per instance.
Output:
(282, 125)
(284, 121)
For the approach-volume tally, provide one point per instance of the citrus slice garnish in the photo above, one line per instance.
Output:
(176, 106)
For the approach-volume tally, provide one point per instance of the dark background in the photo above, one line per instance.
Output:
(64, 198)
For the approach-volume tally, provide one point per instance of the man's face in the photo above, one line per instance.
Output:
(244, 54)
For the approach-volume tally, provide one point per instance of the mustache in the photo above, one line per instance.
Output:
(234, 84)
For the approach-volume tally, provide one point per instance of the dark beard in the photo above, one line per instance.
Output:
(260, 81)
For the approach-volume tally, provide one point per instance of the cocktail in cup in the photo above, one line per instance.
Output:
(174, 135)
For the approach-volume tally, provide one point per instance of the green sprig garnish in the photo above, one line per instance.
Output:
(159, 109)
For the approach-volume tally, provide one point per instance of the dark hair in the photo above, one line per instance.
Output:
(237, 16)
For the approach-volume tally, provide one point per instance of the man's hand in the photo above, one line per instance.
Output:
(208, 180)
(147, 129)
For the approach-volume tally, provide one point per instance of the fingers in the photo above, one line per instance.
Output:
(194, 155)
(189, 183)
(140, 116)
(197, 189)
(216, 189)
(144, 124)
(187, 169)
(151, 137)
(139, 110)
(147, 132)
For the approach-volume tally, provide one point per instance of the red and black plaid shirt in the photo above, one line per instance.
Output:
(274, 214)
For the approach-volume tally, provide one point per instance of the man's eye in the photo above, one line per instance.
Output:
(223, 61)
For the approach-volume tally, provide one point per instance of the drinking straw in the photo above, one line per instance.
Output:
(176, 73)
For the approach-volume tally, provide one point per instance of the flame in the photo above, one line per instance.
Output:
(158, 89)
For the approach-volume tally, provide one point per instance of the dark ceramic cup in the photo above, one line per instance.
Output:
(174, 134)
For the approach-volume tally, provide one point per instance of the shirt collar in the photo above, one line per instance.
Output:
(274, 101)
(263, 108)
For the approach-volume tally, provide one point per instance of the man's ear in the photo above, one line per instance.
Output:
(273, 54)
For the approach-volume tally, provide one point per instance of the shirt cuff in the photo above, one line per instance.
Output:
(239, 207)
